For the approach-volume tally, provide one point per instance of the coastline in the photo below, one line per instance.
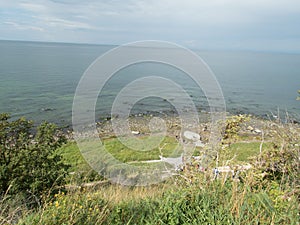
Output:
(256, 128)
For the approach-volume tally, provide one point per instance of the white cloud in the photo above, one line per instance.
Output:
(34, 7)
(235, 22)
(63, 24)
(22, 26)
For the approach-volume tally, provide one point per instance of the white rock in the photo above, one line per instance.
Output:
(135, 132)
(257, 131)
(191, 135)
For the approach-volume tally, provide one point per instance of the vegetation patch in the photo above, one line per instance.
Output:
(169, 147)
(243, 151)
(267, 193)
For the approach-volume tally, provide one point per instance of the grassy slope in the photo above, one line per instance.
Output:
(72, 155)
(176, 202)
(199, 203)
(242, 151)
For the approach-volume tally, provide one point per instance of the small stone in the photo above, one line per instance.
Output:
(135, 132)
(257, 131)
(250, 128)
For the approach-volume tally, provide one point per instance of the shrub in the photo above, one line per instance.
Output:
(233, 125)
(29, 163)
(281, 163)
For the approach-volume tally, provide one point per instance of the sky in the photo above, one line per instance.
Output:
(260, 25)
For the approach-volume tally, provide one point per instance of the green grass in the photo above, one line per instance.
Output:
(215, 203)
(72, 156)
(169, 147)
(81, 171)
(244, 150)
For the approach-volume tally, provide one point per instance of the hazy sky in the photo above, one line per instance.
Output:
(211, 24)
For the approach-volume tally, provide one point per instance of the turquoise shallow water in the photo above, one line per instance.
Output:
(38, 80)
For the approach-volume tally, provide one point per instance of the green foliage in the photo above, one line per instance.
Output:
(233, 125)
(213, 203)
(298, 98)
(76, 208)
(281, 163)
(29, 163)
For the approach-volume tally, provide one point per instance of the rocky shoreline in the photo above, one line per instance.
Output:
(139, 126)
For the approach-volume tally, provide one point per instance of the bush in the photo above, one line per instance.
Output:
(281, 163)
(233, 126)
(29, 163)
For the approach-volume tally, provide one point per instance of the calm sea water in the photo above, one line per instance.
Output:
(38, 81)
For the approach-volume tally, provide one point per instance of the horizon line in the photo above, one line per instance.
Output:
(188, 47)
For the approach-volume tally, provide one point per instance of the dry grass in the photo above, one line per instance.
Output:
(115, 194)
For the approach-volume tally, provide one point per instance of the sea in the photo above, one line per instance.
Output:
(38, 81)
